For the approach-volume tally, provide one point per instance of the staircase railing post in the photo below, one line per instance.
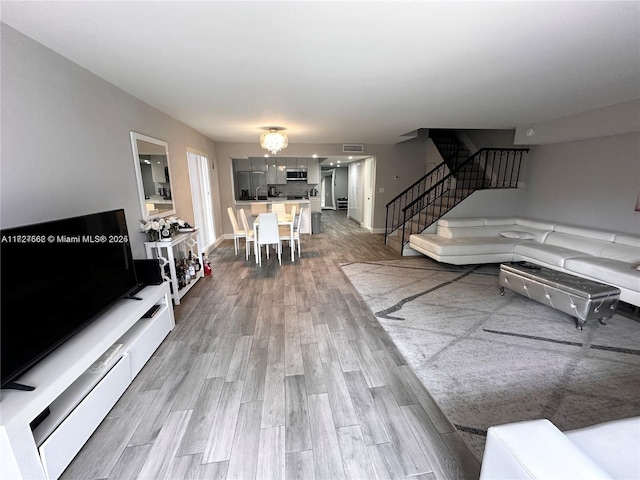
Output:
(487, 168)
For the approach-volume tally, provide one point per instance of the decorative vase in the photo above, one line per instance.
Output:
(153, 236)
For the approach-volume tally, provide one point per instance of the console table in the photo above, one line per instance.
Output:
(165, 251)
(72, 397)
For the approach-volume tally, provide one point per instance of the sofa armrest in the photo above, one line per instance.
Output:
(535, 450)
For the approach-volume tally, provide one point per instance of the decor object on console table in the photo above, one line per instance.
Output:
(161, 229)
(184, 269)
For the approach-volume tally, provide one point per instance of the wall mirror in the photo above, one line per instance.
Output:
(151, 162)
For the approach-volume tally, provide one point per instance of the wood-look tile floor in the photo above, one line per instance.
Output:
(278, 372)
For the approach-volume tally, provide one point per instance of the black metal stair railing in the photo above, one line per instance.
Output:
(451, 149)
(428, 199)
(411, 193)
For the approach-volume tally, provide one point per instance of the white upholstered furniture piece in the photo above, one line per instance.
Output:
(237, 231)
(249, 234)
(537, 449)
(278, 208)
(287, 235)
(603, 256)
(267, 234)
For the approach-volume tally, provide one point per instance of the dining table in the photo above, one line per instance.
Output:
(284, 219)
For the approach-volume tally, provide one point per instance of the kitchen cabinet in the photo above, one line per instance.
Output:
(258, 165)
(313, 171)
(272, 168)
(300, 163)
(281, 173)
(241, 165)
(276, 171)
(158, 169)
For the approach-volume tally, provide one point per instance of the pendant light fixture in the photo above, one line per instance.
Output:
(274, 140)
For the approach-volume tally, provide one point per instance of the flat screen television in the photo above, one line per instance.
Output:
(56, 278)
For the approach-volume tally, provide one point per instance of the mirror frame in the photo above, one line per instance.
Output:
(136, 163)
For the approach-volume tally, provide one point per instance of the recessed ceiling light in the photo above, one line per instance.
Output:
(331, 164)
(338, 161)
(266, 155)
(350, 157)
(315, 156)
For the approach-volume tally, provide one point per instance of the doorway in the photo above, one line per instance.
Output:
(198, 164)
(328, 200)
(361, 189)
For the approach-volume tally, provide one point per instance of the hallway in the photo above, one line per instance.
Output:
(278, 372)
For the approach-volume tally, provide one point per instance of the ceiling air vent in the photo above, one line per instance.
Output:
(351, 148)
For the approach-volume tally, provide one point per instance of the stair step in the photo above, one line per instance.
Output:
(395, 243)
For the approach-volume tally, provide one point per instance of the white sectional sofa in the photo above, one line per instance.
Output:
(608, 257)
(537, 449)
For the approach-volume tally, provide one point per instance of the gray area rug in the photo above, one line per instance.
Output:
(489, 359)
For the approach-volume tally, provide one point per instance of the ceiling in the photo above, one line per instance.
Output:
(349, 72)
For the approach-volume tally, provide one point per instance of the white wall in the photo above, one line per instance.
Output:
(66, 148)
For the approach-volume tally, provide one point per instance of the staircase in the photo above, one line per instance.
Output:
(441, 189)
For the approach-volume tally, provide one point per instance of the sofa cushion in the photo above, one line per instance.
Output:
(464, 245)
(629, 240)
(518, 234)
(614, 446)
(537, 224)
(500, 221)
(586, 245)
(586, 232)
(605, 270)
(548, 254)
(591, 246)
(485, 231)
(461, 222)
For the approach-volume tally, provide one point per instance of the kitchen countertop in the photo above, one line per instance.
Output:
(158, 200)
(272, 200)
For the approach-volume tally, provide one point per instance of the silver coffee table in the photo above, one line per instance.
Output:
(581, 298)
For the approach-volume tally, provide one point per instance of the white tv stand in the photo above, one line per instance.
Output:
(78, 400)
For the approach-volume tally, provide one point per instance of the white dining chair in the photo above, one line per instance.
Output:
(292, 212)
(268, 234)
(250, 237)
(258, 208)
(278, 208)
(296, 229)
(285, 231)
(237, 231)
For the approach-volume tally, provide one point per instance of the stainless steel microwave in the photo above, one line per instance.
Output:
(296, 175)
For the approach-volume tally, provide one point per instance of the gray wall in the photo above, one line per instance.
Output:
(342, 182)
(592, 182)
(66, 148)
